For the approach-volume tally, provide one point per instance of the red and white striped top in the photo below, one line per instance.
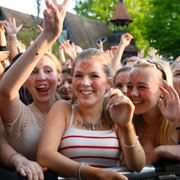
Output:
(97, 148)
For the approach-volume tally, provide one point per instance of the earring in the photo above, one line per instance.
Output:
(58, 84)
(25, 87)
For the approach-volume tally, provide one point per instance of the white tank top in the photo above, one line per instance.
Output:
(97, 148)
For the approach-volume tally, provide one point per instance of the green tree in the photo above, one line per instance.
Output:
(103, 11)
(162, 22)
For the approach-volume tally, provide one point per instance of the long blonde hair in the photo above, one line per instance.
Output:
(165, 126)
(101, 57)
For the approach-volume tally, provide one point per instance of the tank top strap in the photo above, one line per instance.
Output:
(72, 118)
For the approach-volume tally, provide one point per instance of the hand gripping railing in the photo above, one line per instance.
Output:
(165, 171)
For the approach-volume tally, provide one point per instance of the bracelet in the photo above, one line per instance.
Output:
(178, 128)
(13, 39)
(82, 164)
(77, 169)
(137, 142)
(38, 47)
(11, 158)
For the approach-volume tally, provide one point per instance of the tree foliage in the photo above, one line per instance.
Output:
(156, 22)
(163, 27)
(103, 11)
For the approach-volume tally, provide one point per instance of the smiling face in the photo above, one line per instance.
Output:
(89, 82)
(176, 78)
(143, 88)
(65, 90)
(43, 80)
(121, 80)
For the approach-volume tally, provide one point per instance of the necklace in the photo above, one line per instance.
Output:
(90, 125)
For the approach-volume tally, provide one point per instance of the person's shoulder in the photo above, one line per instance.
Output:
(63, 105)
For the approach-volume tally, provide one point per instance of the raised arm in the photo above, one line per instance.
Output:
(22, 68)
(2, 36)
(12, 31)
(116, 60)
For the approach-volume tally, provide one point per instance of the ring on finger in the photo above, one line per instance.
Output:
(32, 168)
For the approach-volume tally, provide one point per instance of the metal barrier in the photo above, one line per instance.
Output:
(164, 171)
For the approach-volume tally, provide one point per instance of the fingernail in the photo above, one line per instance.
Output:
(111, 106)
(107, 106)
(116, 103)
(106, 95)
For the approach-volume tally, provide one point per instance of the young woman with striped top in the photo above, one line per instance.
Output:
(98, 131)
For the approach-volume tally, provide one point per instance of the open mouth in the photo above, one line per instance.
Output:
(43, 88)
(86, 92)
(137, 103)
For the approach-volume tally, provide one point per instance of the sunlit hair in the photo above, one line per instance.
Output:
(102, 58)
(165, 126)
(123, 69)
(55, 61)
(174, 64)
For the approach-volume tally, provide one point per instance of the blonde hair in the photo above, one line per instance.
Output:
(174, 64)
(58, 69)
(101, 57)
(55, 61)
(165, 126)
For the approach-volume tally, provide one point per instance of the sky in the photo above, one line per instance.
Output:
(29, 6)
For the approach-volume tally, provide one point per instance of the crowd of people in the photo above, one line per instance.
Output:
(76, 117)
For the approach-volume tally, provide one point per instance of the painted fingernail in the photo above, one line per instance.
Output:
(106, 95)
(111, 106)
(116, 103)
(107, 106)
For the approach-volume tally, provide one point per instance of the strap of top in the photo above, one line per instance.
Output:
(72, 118)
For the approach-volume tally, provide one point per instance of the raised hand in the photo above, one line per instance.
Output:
(69, 49)
(151, 52)
(53, 19)
(172, 108)
(126, 39)
(62, 6)
(100, 44)
(40, 28)
(20, 46)
(141, 53)
(109, 53)
(113, 49)
(11, 28)
(121, 108)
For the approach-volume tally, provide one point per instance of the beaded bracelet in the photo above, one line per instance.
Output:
(12, 156)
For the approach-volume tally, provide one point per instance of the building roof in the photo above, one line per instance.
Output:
(21, 18)
(121, 13)
(85, 31)
(82, 31)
